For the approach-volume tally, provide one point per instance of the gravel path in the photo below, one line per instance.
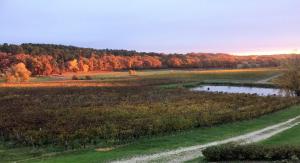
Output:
(192, 152)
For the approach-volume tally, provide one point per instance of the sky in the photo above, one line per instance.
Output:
(168, 26)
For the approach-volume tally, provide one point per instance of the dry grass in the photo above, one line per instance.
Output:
(105, 78)
(146, 72)
(66, 83)
(236, 70)
(104, 149)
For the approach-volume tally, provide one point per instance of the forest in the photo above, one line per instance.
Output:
(47, 59)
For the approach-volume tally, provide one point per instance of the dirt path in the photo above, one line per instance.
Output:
(264, 81)
(192, 152)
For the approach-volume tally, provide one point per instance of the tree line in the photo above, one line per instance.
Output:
(47, 59)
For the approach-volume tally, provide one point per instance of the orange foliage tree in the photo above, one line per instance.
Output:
(73, 65)
(17, 73)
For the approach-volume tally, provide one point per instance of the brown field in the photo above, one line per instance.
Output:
(66, 83)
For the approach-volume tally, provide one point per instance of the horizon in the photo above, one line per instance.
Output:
(249, 53)
(153, 26)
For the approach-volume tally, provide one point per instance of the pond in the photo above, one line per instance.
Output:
(240, 89)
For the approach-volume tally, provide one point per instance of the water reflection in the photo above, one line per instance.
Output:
(241, 89)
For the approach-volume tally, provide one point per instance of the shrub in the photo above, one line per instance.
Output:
(74, 77)
(17, 73)
(233, 152)
(88, 77)
(132, 72)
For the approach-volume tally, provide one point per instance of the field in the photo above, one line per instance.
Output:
(289, 137)
(121, 115)
(149, 77)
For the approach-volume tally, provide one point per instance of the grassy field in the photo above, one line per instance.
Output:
(157, 77)
(289, 137)
(234, 75)
(111, 112)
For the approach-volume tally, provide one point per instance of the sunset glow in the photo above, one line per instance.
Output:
(270, 52)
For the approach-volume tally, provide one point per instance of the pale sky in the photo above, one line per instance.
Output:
(231, 26)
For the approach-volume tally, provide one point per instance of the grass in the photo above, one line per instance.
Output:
(160, 143)
(8, 154)
(197, 160)
(178, 73)
(289, 137)
(237, 75)
(231, 76)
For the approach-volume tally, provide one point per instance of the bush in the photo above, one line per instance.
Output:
(74, 77)
(17, 73)
(132, 72)
(88, 77)
(233, 152)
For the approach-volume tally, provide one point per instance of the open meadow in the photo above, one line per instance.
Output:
(116, 115)
(149, 77)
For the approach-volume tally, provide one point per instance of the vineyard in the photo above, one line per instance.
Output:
(77, 116)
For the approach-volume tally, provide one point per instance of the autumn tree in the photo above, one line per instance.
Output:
(93, 62)
(47, 65)
(47, 59)
(83, 64)
(17, 73)
(289, 81)
(73, 65)
(151, 62)
(4, 62)
(175, 62)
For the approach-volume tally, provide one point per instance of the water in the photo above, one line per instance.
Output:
(240, 89)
